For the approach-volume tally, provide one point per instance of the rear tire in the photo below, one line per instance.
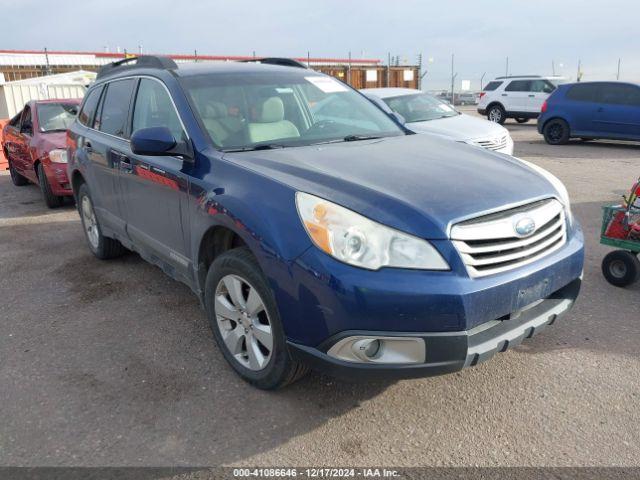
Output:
(51, 200)
(522, 120)
(101, 246)
(234, 278)
(17, 179)
(621, 268)
(497, 114)
(556, 132)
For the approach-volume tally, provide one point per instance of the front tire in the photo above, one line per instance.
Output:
(51, 200)
(621, 268)
(497, 114)
(556, 132)
(245, 322)
(101, 246)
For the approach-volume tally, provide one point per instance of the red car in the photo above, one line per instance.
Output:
(34, 143)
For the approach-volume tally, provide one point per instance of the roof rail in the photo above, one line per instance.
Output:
(149, 61)
(284, 62)
(520, 76)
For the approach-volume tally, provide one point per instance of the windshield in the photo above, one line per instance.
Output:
(283, 109)
(420, 107)
(56, 117)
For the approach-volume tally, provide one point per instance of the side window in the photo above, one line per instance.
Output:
(586, 92)
(115, 107)
(89, 107)
(519, 86)
(15, 121)
(542, 86)
(26, 124)
(153, 108)
(491, 86)
(620, 94)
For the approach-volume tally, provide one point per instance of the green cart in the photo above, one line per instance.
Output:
(622, 266)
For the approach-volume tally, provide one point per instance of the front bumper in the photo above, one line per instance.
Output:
(446, 352)
(58, 179)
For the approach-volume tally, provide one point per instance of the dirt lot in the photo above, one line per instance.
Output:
(112, 363)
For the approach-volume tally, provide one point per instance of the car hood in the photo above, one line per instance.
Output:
(420, 184)
(49, 141)
(461, 127)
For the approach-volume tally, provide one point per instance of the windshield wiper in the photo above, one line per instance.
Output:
(259, 146)
(355, 138)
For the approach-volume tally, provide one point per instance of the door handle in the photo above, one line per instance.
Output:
(505, 95)
(88, 148)
(532, 96)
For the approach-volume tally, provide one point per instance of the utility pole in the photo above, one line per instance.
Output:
(308, 59)
(388, 68)
(420, 71)
(579, 74)
(506, 74)
(618, 74)
(553, 67)
(453, 79)
(46, 57)
(195, 55)
(482, 80)
(349, 70)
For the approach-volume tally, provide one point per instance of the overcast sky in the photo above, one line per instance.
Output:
(481, 33)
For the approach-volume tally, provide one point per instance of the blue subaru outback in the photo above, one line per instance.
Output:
(316, 230)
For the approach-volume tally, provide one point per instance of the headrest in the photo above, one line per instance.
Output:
(272, 110)
(215, 110)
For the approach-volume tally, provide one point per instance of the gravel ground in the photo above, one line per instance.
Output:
(112, 363)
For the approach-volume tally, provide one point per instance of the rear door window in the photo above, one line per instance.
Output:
(586, 92)
(519, 86)
(115, 108)
(491, 86)
(89, 107)
(620, 94)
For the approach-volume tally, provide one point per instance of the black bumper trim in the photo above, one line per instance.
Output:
(447, 352)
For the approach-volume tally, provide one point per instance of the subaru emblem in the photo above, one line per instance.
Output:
(525, 227)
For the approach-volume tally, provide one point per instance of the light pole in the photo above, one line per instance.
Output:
(618, 74)
(482, 80)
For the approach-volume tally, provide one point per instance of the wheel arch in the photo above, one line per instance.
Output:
(494, 103)
(77, 179)
(555, 117)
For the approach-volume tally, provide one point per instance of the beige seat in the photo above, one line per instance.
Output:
(213, 119)
(271, 124)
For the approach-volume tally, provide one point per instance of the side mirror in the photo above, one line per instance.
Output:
(156, 142)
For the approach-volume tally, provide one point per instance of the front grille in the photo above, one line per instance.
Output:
(490, 244)
(497, 143)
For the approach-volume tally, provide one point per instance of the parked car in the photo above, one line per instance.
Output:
(518, 97)
(425, 113)
(34, 144)
(591, 110)
(345, 243)
(466, 99)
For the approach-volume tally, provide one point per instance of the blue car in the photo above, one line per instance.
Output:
(591, 110)
(316, 231)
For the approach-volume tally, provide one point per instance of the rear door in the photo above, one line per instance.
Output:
(11, 133)
(515, 96)
(619, 114)
(539, 92)
(154, 189)
(103, 145)
(21, 154)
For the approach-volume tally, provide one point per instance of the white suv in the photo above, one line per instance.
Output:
(518, 97)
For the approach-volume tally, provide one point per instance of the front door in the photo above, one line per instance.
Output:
(515, 97)
(21, 154)
(540, 91)
(154, 189)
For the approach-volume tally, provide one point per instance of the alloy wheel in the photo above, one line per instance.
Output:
(243, 322)
(89, 221)
(495, 115)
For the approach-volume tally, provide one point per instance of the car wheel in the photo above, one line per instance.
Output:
(522, 120)
(51, 200)
(556, 132)
(497, 114)
(246, 325)
(621, 268)
(101, 246)
(17, 179)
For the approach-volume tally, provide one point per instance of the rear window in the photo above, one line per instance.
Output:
(89, 107)
(519, 86)
(491, 86)
(620, 94)
(115, 107)
(587, 92)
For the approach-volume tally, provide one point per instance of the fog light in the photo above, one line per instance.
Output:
(365, 349)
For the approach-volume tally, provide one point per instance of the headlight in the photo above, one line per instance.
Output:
(557, 184)
(58, 156)
(358, 241)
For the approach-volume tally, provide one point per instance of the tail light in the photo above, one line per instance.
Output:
(544, 107)
(482, 94)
